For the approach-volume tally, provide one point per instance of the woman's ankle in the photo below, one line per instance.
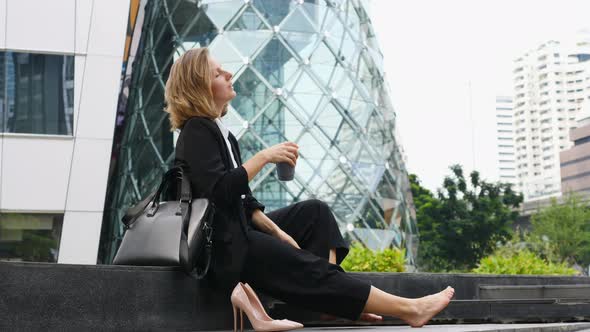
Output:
(412, 308)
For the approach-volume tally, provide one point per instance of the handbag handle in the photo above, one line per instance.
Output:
(185, 196)
(134, 211)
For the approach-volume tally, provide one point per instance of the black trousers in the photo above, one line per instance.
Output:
(304, 277)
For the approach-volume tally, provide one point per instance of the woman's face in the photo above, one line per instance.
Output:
(221, 85)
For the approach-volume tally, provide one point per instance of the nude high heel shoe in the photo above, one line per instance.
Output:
(256, 302)
(240, 300)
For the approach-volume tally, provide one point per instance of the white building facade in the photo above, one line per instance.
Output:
(551, 84)
(60, 72)
(506, 161)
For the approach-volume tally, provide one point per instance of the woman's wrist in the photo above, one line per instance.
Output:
(262, 155)
(255, 164)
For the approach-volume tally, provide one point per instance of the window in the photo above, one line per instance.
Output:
(36, 93)
(32, 237)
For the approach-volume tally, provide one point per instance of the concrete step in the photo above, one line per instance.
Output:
(468, 311)
(548, 327)
(534, 292)
(42, 297)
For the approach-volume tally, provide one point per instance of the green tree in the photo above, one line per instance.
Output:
(428, 216)
(464, 222)
(567, 228)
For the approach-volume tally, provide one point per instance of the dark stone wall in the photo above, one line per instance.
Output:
(44, 296)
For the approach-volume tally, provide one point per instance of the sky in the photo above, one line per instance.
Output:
(445, 62)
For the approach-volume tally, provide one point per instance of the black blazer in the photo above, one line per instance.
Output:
(202, 151)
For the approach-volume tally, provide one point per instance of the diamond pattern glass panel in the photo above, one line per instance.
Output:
(304, 71)
(251, 95)
(299, 33)
(277, 124)
(220, 12)
(274, 11)
(248, 33)
(305, 93)
(276, 63)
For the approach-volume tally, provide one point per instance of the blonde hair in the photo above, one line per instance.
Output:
(188, 88)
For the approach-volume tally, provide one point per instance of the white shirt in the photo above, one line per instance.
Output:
(225, 133)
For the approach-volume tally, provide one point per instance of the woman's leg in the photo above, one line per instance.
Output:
(304, 279)
(313, 226)
(332, 258)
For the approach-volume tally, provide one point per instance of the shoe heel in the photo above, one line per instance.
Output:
(235, 319)
(241, 320)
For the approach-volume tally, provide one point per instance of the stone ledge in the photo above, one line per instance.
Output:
(42, 296)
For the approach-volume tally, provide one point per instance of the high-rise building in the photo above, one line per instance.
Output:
(505, 141)
(550, 85)
(575, 162)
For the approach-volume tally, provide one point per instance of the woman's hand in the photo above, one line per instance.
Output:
(282, 152)
(281, 235)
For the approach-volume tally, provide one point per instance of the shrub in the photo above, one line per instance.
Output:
(522, 262)
(362, 259)
(524, 240)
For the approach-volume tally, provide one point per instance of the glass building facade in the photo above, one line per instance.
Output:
(30, 237)
(304, 71)
(36, 93)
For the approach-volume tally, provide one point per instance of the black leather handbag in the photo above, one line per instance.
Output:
(169, 233)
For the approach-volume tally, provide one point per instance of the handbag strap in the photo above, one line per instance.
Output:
(200, 275)
(208, 246)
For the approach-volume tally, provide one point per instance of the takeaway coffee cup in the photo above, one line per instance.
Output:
(285, 171)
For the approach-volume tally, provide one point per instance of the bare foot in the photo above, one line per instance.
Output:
(367, 317)
(428, 306)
